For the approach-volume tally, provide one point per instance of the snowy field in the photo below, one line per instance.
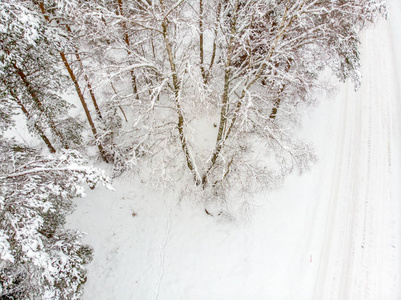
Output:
(333, 233)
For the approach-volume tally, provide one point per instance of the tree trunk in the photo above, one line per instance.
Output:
(181, 120)
(224, 129)
(39, 104)
(201, 52)
(277, 101)
(221, 136)
(127, 42)
(36, 126)
(216, 29)
(88, 84)
(83, 102)
(121, 109)
(79, 92)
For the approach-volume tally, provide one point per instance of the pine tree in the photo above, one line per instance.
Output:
(31, 75)
(68, 66)
(39, 258)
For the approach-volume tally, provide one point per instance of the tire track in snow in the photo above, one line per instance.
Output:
(374, 255)
(322, 280)
(395, 150)
(357, 260)
(351, 193)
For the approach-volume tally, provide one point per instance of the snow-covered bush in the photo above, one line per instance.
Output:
(39, 259)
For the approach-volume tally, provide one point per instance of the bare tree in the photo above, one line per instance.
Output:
(264, 62)
(245, 68)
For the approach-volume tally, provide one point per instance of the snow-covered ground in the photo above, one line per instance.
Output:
(333, 233)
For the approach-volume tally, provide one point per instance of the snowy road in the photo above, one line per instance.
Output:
(360, 255)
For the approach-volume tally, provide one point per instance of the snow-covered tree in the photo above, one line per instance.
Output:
(7, 111)
(242, 70)
(102, 48)
(56, 15)
(271, 53)
(39, 259)
(30, 75)
(246, 68)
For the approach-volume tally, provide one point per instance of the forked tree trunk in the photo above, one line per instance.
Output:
(221, 135)
(181, 120)
(225, 128)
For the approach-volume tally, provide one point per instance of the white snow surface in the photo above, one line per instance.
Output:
(333, 233)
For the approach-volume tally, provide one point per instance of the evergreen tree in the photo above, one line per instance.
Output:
(39, 258)
(31, 76)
